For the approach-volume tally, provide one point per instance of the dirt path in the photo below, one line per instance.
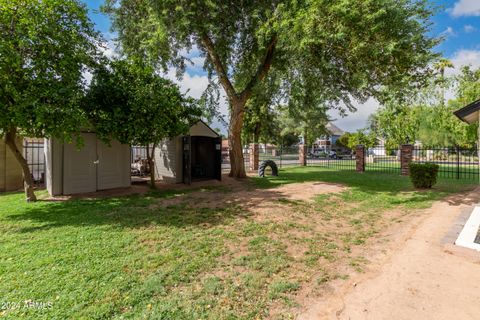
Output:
(425, 277)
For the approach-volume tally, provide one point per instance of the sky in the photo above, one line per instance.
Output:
(458, 21)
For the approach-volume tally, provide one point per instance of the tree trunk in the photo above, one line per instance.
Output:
(11, 142)
(151, 165)
(237, 99)
(237, 165)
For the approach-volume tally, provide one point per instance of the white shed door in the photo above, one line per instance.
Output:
(113, 169)
(80, 172)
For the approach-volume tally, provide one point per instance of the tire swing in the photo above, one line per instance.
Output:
(264, 165)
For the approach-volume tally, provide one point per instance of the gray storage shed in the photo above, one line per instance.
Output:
(11, 176)
(196, 156)
(96, 166)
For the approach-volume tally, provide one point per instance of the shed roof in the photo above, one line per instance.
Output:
(201, 128)
(469, 113)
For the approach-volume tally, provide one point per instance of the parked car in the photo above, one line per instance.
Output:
(323, 154)
(332, 154)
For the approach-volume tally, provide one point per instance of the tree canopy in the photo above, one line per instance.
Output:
(128, 102)
(425, 116)
(45, 46)
(351, 48)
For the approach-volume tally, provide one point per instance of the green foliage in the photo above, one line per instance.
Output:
(343, 140)
(424, 116)
(361, 137)
(128, 102)
(308, 123)
(45, 46)
(423, 175)
(261, 119)
(374, 40)
(396, 123)
(468, 86)
(329, 50)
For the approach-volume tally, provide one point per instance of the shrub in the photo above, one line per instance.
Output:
(423, 175)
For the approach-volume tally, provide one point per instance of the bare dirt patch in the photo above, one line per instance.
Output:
(410, 274)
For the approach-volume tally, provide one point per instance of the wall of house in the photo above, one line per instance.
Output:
(11, 177)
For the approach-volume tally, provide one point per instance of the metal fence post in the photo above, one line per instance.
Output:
(281, 153)
(458, 162)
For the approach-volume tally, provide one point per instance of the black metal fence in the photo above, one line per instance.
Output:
(453, 162)
(283, 156)
(344, 161)
(383, 159)
(33, 151)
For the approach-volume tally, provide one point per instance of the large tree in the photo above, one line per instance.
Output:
(45, 45)
(354, 47)
(127, 101)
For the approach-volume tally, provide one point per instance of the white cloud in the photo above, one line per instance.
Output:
(194, 86)
(466, 8)
(449, 32)
(463, 58)
(108, 49)
(358, 119)
(469, 28)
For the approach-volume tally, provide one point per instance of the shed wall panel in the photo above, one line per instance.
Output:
(114, 165)
(167, 161)
(54, 166)
(79, 168)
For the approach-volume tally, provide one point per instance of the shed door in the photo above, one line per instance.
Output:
(80, 172)
(113, 169)
(187, 159)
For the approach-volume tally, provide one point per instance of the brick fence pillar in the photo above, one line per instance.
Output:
(360, 158)
(406, 153)
(254, 156)
(302, 151)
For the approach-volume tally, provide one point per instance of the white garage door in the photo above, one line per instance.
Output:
(80, 172)
(113, 165)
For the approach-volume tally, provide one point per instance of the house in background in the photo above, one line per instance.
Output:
(328, 142)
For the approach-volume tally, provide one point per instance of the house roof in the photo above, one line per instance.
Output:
(334, 130)
(469, 113)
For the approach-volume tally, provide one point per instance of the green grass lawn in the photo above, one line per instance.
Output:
(168, 255)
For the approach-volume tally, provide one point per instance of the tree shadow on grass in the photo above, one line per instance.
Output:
(135, 211)
(138, 211)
